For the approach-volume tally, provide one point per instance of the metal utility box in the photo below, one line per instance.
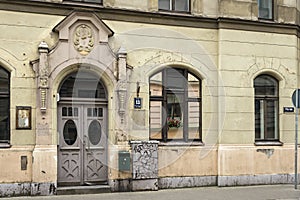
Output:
(124, 160)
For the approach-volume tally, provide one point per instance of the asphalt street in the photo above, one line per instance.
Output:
(273, 192)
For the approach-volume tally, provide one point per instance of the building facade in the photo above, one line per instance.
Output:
(145, 95)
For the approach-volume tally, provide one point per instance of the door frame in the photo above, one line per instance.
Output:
(83, 103)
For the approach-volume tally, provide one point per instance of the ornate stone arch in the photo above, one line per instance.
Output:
(271, 66)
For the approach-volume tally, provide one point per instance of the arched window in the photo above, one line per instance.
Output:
(266, 108)
(175, 105)
(4, 106)
(82, 84)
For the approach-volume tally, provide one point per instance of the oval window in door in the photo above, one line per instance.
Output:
(94, 132)
(70, 132)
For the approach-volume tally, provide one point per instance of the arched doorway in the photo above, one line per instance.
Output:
(82, 129)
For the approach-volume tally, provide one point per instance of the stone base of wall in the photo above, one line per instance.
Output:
(147, 184)
(27, 189)
(121, 185)
(182, 182)
(264, 179)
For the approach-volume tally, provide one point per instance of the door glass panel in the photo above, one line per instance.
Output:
(100, 112)
(64, 111)
(70, 132)
(94, 132)
(76, 112)
(70, 111)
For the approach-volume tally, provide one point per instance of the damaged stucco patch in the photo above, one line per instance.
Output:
(268, 152)
(27, 189)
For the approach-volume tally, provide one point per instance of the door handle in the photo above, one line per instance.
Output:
(87, 141)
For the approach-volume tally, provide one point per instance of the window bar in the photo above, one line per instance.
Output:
(262, 119)
(276, 120)
(164, 108)
(185, 109)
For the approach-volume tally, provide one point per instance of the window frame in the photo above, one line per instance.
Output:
(264, 98)
(185, 112)
(6, 95)
(172, 7)
(271, 9)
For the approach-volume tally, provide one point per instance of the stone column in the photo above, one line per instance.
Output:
(144, 165)
(122, 92)
(44, 167)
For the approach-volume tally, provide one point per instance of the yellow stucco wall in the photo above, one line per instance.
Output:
(238, 55)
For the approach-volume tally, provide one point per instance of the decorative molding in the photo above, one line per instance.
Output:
(185, 20)
(83, 39)
(43, 74)
(122, 97)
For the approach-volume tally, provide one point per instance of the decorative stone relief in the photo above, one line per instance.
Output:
(43, 74)
(144, 159)
(83, 39)
(122, 94)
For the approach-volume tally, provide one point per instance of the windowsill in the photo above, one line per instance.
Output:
(5, 145)
(175, 12)
(267, 20)
(268, 143)
(82, 3)
(180, 143)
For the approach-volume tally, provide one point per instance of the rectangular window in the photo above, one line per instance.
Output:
(265, 9)
(266, 120)
(174, 5)
(266, 108)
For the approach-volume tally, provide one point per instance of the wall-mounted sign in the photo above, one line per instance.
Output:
(138, 102)
(288, 109)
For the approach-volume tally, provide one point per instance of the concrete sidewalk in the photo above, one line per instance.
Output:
(273, 192)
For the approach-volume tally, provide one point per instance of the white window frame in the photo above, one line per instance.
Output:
(172, 6)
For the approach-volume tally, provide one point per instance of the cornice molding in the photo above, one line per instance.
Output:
(162, 18)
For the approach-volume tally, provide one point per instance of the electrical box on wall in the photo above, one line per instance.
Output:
(124, 160)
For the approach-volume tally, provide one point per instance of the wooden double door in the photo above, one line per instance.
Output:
(82, 150)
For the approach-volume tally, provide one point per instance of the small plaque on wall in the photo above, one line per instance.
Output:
(137, 103)
(23, 117)
(288, 109)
